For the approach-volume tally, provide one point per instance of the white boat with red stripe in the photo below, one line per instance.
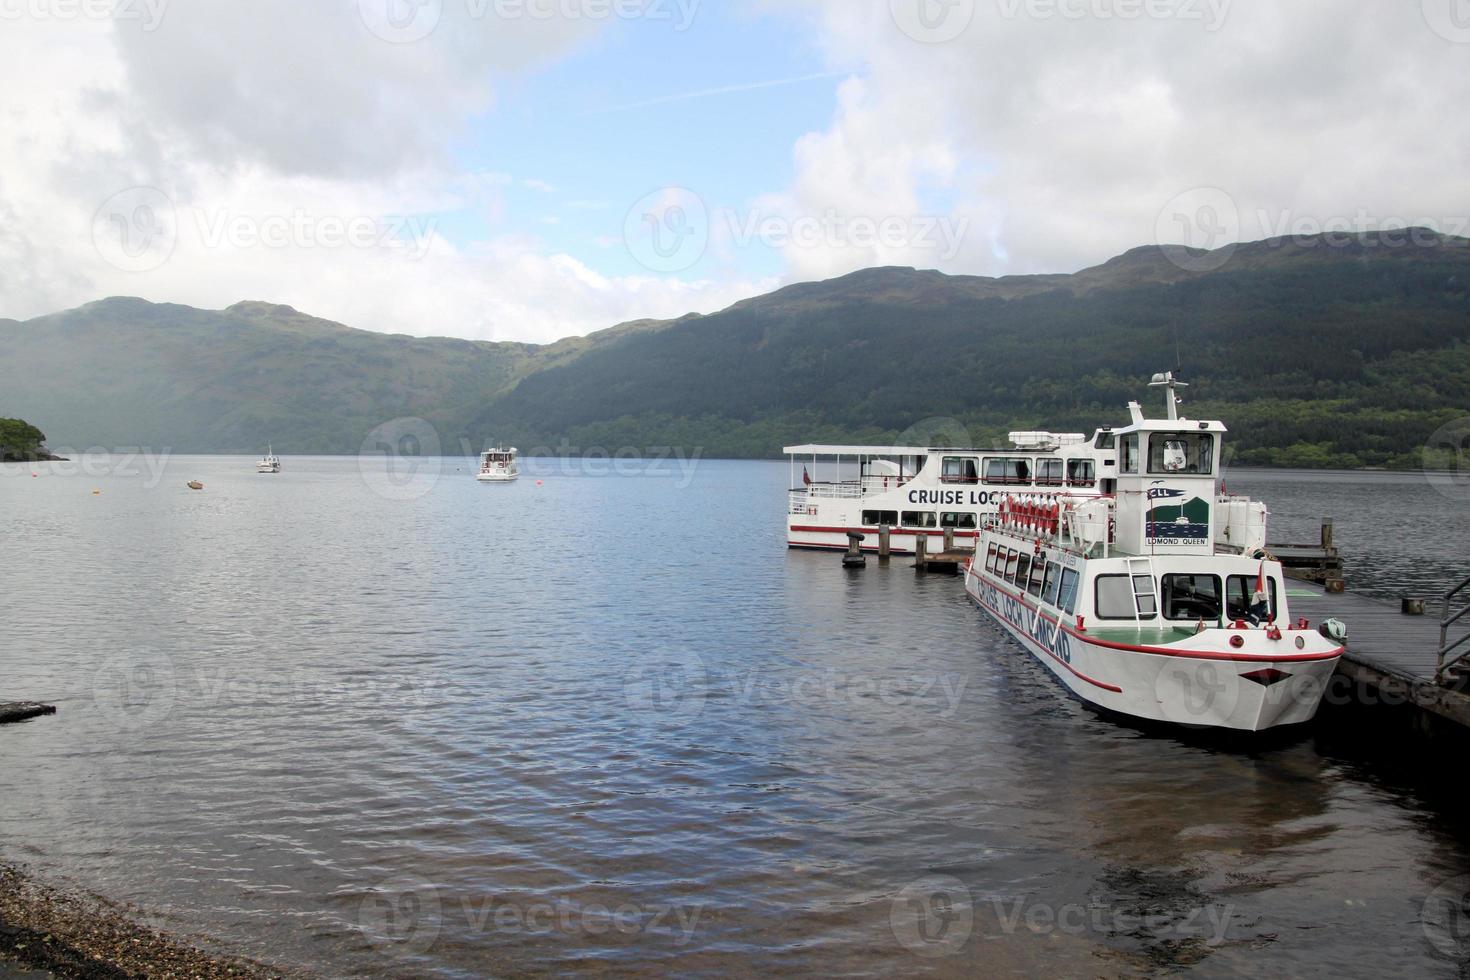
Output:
(917, 492)
(1157, 601)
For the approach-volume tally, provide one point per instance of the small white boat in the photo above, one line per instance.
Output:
(1157, 601)
(269, 464)
(498, 466)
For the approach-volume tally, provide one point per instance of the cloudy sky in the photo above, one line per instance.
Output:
(530, 169)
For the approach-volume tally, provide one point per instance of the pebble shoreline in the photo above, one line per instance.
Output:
(70, 935)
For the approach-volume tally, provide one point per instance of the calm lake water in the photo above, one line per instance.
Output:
(420, 726)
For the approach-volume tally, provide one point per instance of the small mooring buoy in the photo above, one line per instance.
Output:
(1412, 606)
(854, 557)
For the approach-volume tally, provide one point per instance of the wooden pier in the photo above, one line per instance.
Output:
(1392, 658)
(949, 560)
(1320, 563)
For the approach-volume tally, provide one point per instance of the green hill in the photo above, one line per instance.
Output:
(1315, 353)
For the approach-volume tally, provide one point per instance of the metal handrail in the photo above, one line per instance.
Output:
(1445, 622)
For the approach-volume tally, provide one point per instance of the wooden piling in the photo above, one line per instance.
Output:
(884, 548)
(921, 552)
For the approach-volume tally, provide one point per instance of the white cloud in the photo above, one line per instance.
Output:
(1059, 129)
(287, 154)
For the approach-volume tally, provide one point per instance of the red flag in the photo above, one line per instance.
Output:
(806, 478)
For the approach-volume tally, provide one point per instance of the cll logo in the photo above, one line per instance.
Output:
(1186, 523)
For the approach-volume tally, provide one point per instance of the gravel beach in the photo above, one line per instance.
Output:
(64, 934)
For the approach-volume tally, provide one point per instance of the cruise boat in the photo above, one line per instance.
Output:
(498, 466)
(928, 492)
(268, 463)
(1156, 600)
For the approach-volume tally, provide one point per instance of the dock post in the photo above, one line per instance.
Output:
(884, 549)
(921, 551)
(948, 539)
(854, 557)
(1327, 535)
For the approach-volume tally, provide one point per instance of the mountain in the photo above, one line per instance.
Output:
(1316, 351)
(125, 372)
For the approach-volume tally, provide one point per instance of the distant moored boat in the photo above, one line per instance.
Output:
(498, 466)
(268, 464)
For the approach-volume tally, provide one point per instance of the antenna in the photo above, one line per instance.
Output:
(1171, 400)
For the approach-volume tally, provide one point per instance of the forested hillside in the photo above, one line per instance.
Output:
(1315, 352)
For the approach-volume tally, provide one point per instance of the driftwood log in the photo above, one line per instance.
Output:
(21, 710)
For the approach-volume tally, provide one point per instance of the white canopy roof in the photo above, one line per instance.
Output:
(814, 450)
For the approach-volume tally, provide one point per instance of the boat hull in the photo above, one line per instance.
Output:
(1194, 684)
(901, 541)
(498, 477)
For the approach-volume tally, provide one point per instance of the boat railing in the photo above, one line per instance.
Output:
(1446, 620)
(850, 489)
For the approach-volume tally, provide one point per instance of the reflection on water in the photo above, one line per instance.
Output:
(471, 729)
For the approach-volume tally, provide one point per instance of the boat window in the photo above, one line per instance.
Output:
(1130, 453)
(1067, 596)
(1191, 597)
(1191, 453)
(1116, 596)
(1105, 440)
(990, 559)
(1081, 473)
(1012, 556)
(1007, 471)
(875, 518)
(960, 469)
(1048, 472)
(960, 522)
(1024, 568)
(920, 518)
(1038, 570)
(1053, 579)
(1241, 603)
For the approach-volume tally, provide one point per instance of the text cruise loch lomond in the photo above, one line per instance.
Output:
(1159, 601)
(918, 492)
